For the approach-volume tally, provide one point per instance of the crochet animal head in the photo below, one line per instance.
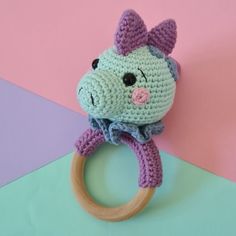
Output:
(134, 81)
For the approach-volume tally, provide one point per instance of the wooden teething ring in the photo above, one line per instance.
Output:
(149, 177)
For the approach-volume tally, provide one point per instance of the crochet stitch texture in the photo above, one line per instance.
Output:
(150, 174)
(113, 131)
(147, 94)
(103, 94)
(129, 89)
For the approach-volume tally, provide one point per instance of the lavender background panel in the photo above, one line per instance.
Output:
(33, 131)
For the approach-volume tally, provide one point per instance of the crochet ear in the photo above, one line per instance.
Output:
(131, 33)
(163, 36)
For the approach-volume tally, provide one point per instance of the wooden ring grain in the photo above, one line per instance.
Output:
(119, 213)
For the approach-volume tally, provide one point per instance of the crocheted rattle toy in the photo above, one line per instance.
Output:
(129, 89)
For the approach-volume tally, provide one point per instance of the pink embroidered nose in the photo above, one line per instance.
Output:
(140, 96)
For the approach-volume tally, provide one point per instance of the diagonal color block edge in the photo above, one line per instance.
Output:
(63, 128)
(33, 131)
(191, 200)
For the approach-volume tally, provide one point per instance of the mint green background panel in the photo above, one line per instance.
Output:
(191, 201)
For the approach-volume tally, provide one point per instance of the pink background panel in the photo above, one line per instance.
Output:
(45, 46)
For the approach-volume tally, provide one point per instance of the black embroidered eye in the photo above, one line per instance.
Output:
(95, 63)
(129, 79)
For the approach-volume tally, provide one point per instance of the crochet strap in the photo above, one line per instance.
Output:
(150, 168)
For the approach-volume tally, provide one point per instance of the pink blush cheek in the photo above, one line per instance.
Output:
(140, 96)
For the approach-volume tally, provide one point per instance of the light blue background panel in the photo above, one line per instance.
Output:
(191, 201)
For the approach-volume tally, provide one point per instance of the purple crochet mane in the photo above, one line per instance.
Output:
(132, 34)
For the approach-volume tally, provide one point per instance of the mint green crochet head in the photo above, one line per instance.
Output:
(134, 81)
